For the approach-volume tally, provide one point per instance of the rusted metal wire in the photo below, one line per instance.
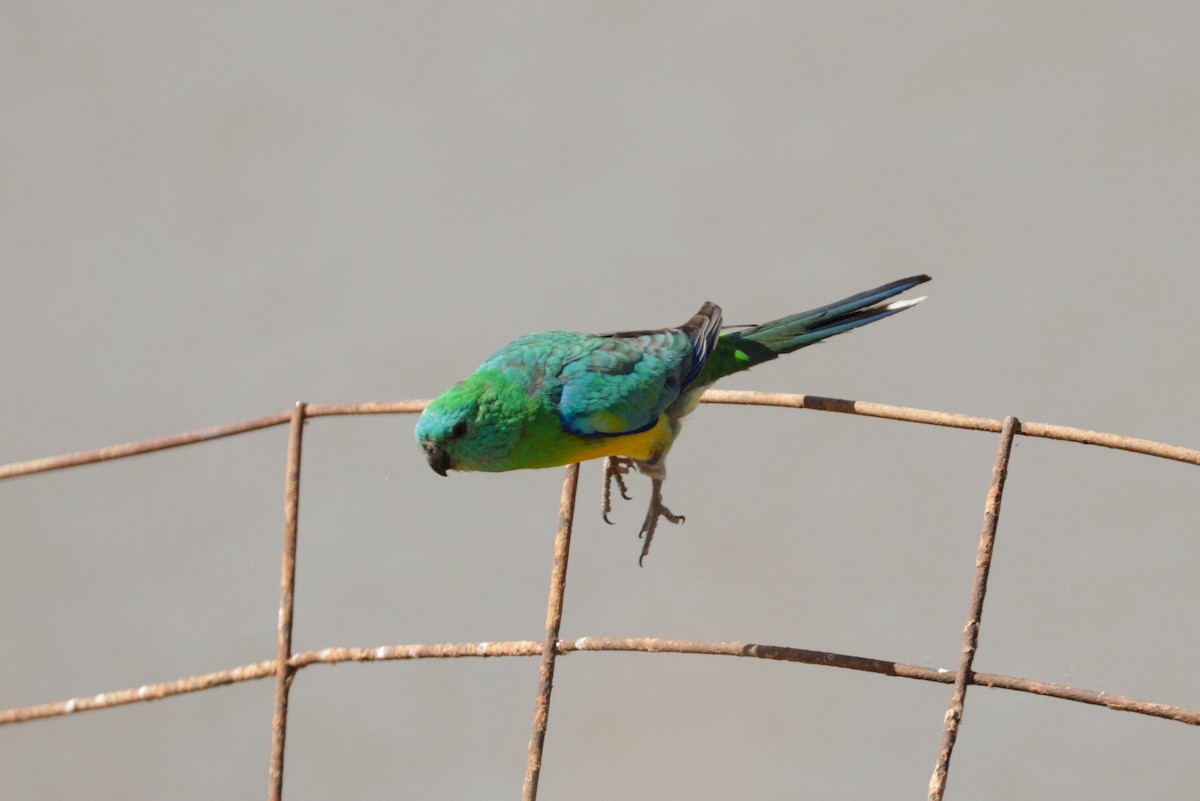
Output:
(1045, 430)
(554, 611)
(372, 407)
(203, 435)
(654, 645)
(285, 671)
(147, 692)
(983, 566)
(144, 446)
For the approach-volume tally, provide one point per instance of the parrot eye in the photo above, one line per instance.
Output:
(459, 430)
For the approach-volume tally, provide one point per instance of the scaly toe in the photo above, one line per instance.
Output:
(615, 468)
(671, 518)
(655, 511)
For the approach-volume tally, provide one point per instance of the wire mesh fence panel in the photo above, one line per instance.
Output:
(288, 662)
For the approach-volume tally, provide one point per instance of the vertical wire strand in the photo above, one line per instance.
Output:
(983, 564)
(285, 672)
(554, 608)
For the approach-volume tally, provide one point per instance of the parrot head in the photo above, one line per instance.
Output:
(469, 427)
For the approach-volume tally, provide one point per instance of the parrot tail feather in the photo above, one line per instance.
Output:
(741, 350)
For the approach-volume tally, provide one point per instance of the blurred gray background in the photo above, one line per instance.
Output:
(210, 212)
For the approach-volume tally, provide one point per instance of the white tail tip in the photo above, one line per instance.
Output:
(904, 304)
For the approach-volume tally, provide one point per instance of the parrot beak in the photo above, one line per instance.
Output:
(439, 460)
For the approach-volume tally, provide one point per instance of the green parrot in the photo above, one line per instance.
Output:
(558, 397)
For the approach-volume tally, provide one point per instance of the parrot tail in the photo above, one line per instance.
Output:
(741, 350)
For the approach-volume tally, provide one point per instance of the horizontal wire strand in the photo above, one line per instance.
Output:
(1082, 436)
(781, 653)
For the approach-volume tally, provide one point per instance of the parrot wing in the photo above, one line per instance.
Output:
(610, 384)
(621, 383)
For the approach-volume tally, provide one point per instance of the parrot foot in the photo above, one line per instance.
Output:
(655, 511)
(615, 470)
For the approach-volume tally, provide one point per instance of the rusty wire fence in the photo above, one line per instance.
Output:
(284, 667)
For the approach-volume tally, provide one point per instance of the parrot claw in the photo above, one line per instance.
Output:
(615, 470)
(656, 510)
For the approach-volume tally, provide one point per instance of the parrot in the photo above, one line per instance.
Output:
(558, 397)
